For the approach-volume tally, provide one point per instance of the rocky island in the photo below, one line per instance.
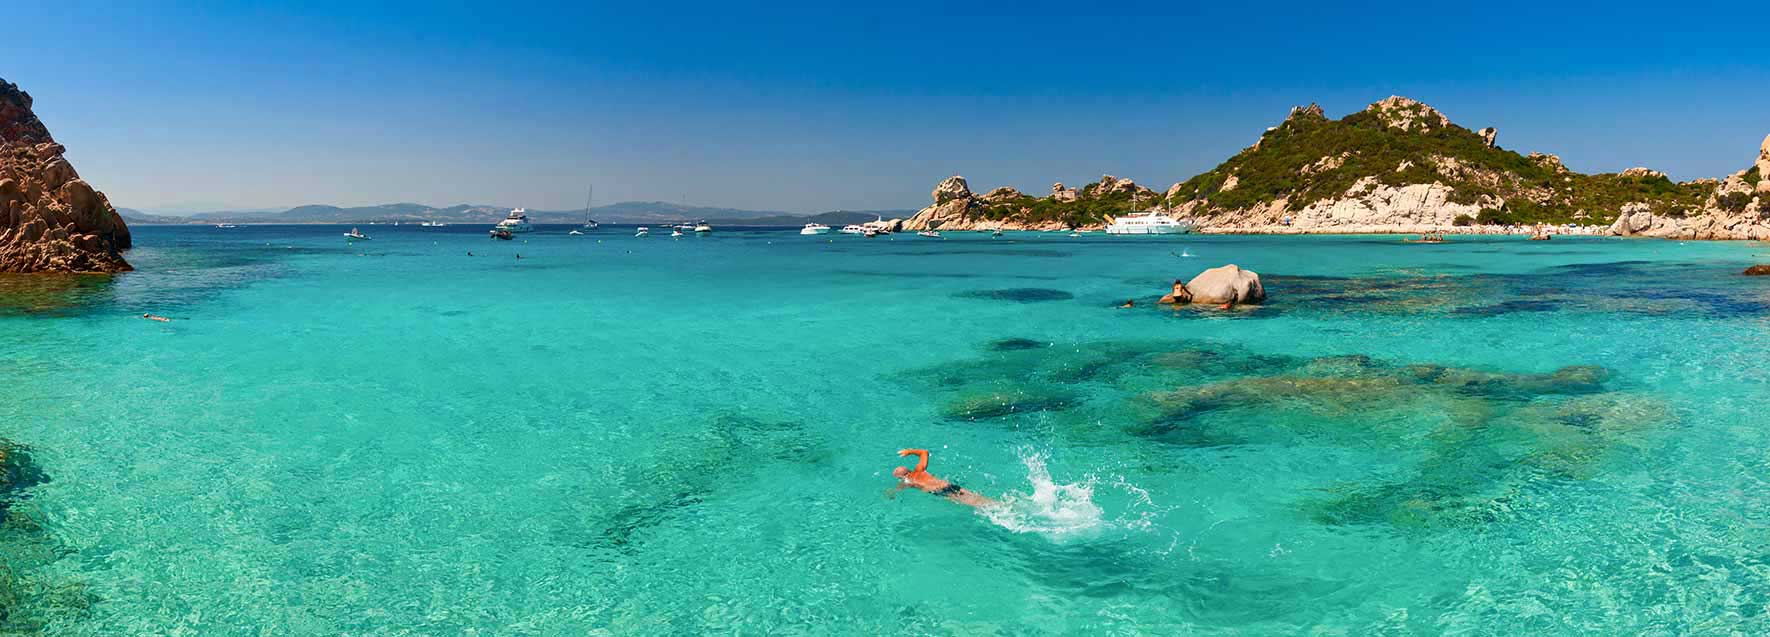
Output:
(51, 220)
(1398, 166)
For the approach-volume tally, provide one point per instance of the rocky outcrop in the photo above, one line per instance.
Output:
(1003, 194)
(1109, 185)
(1312, 111)
(1758, 270)
(1763, 167)
(1552, 162)
(1228, 284)
(1736, 210)
(50, 219)
(1060, 193)
(1408, 115)
(951, 188)
(1639, 172)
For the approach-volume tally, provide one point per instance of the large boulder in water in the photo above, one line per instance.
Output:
(1226, 284)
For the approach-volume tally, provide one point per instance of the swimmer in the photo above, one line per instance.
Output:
(919, 478)
(152, 317)
(1129, 303)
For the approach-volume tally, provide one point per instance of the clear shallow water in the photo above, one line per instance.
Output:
(657, 436)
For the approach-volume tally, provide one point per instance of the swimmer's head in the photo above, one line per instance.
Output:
(145, 315)
(900, 472)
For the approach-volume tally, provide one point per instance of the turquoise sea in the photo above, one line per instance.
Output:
(624, 436)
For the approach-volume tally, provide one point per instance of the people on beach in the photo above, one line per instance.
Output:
(919, 478)
(155, 317)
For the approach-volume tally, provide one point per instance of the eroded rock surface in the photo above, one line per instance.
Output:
(50, 219)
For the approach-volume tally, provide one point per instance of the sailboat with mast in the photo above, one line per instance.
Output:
(589, 224)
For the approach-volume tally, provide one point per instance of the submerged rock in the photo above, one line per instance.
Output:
(1015, 344)
(50, 219)
(1007, 403)
(1019, 295)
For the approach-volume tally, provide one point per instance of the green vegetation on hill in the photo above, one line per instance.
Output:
(1085, 210)
(1310, 158)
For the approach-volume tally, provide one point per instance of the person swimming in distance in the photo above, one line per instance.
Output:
(1129, 303)
(153, 317)
(919, 478)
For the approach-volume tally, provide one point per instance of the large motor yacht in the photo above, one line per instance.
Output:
(1150, 222)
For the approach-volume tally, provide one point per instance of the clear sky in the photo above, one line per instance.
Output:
(818, 106)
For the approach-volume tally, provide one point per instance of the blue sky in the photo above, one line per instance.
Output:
(819, 106)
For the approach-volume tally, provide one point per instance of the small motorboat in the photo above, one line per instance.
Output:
(502, 233)
(929, 233)
(1075, 234)
(356, 235)
(853, 229)
(575, 232)
(702, 228)
(815, 228)
(997, 233)
(869, 233)
(642, 231)
(675, 232)
(225, 226)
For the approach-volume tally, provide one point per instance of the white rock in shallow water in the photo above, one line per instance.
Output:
(1226, 284)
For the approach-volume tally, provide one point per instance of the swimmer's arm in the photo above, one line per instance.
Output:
(922, 464)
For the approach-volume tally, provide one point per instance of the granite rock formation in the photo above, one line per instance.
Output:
(51, 220)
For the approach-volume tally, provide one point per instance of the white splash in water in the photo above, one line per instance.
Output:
(1053, 510)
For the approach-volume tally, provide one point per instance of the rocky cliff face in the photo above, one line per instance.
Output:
(50, 219)
(1737, 207)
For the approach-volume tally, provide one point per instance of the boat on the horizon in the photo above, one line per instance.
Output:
(1147, 222)
(516, 221)
(642, 231)
(356, 235)
(589, 224)
(701, 227)
(814, 228)
(932, 234)
(853, 229)
(225, 226)
(432, 224)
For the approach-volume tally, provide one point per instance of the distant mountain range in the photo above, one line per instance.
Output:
(623, 212)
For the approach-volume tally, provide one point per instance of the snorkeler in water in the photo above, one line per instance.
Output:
(919, 478)
(155, 317)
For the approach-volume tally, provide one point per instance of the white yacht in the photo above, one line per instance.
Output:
(701, 227)
(516, 221)
(225, 226)
(433, 224)
(642, 231)
(1149, 222)
(932, 234)
(853, 229)
(815, 228)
